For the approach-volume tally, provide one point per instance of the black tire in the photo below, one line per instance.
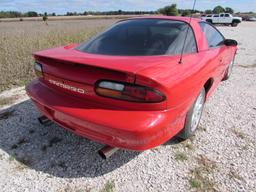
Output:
(189, 128)
(234, 24)
(228, 72)
(209, 21)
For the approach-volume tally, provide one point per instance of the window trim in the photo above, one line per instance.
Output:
(216, 30)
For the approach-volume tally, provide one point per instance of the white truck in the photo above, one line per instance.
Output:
(222, 18)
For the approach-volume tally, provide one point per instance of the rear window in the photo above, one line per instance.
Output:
(141, 37)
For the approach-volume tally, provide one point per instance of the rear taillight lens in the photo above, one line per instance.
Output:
(128, 92)
(38, 69)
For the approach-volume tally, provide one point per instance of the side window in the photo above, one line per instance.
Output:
(227, 15)
(222, 15)
(213, 36)
(190, 46)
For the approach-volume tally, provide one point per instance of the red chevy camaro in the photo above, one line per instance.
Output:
(137, 84)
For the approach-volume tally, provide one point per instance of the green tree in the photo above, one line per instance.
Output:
(229, 10)
(208, 11)
(169, 10)
(31, 14)
(186, 13)
(218, 9)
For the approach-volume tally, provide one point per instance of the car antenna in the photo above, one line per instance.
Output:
(183, 47)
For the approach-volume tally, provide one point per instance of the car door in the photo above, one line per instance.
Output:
(228, 18)
(216, 48)
(216, 19)
(222, 18)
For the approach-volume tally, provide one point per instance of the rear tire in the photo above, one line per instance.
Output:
(234, 24)
(209, 21)
(193, 117)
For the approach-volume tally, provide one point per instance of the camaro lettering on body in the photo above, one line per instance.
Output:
(65, 86)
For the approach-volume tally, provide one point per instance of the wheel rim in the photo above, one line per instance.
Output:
(230, 67)
(197, 112)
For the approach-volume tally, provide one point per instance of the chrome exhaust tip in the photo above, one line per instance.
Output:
(43, 120)
(107, 151)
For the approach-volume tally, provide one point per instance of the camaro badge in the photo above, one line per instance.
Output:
(68, 87)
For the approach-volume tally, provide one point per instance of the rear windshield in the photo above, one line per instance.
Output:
(142, 37)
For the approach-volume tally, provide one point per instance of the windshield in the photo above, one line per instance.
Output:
(142, 37)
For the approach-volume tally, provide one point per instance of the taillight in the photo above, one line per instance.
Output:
(128, 92)
(38, 69)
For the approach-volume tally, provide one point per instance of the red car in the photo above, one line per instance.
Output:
(136, 85)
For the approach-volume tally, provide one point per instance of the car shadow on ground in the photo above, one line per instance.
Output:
(51, 149)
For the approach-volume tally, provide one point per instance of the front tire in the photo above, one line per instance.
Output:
(193, 117)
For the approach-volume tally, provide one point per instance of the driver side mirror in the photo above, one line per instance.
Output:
(230, 42)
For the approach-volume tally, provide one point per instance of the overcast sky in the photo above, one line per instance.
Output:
(62, 6)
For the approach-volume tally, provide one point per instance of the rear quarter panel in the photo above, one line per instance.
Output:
(181, 83)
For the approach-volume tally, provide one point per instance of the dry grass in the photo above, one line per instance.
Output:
(239, 133)
(7, 100)
(18, 40)
(248, 66)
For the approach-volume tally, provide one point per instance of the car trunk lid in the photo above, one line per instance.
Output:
(70, 71)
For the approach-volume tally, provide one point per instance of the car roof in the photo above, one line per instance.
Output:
(194, 23)
(177, 18)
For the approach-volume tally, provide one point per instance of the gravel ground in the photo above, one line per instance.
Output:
(220, 157)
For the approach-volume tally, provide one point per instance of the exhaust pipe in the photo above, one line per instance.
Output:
(107, 151)
(43, 120)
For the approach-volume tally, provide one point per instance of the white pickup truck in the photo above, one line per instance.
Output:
(222, 18)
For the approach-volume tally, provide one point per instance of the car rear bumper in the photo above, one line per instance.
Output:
(134, 130)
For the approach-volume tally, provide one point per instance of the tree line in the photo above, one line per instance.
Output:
(171, 10)
(17, 14)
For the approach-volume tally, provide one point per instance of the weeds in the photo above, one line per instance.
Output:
(234, 175)
(181, 156)
(194, 183)
(239, 133)
(200, 175)
(74, 189)
(109, 187)
(11, 158)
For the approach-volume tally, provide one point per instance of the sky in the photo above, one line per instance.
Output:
(63, 6)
